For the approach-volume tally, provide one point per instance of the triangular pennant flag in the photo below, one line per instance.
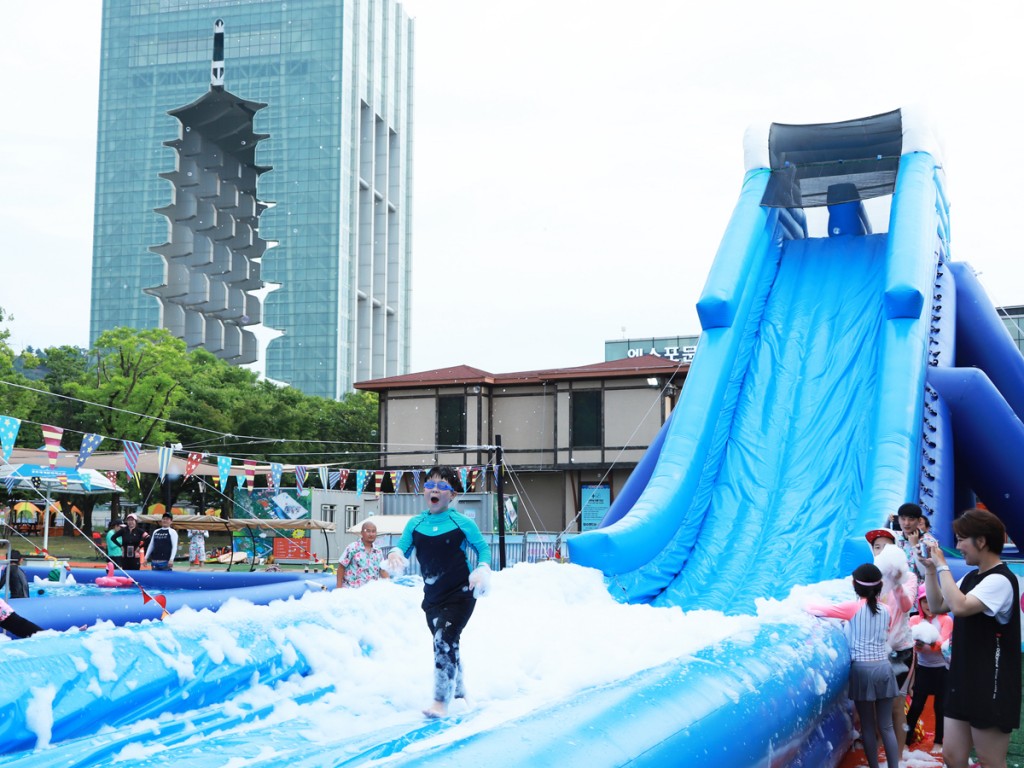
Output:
(223, 471)
(9, 427)
(37, 482)
(192, 463)
(131, 455)
(10, 481)
(463, 474)
(324, 476)
(471, 483)
(51, 438)
(333, 478)
(360, 481)
(89, 444)
(163, 460)
(300, 478)
(378, 481)
(415, 479)
(343, 478)
(86, 479)
(112, 476)
(398, 480)
(250, 474)
(394, 481)
(276, 471)
(63, 480)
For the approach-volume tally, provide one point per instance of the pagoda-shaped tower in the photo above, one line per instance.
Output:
(212, 291)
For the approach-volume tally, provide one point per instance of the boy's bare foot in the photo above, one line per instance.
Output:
(436, 710)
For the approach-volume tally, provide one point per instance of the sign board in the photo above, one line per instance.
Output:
(291, 549)
(595, 501)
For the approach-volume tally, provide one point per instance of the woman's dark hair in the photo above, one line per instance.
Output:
(113, 523)
(448, 474)
(980, 522)
(867, 583)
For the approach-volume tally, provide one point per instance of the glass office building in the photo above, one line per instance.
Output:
(336, 76)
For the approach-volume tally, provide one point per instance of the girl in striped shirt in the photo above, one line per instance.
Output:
(872, 685)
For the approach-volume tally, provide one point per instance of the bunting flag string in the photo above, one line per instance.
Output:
(86, 480)
(472, 478)
(51, 438)
(163, 460)
(10, 481)
(63, 480)
(9, 427)
(89, 444)
(223, 471)
(131, 456)
(192, 463)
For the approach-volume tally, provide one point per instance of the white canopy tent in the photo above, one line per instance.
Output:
(46, 480)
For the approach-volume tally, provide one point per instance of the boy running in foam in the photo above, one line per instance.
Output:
(442, 538)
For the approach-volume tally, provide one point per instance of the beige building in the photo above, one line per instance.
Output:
(565, 432)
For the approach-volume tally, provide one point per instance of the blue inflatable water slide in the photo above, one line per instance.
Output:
(837, 377)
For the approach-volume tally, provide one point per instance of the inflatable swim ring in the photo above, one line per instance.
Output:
(114, 581)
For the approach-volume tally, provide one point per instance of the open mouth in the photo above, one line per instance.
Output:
(434, 499)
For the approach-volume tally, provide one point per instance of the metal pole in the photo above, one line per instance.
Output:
(165, 487)
(499, 485)
(46, 521)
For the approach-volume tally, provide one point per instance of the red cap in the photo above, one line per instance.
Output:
(872, 535)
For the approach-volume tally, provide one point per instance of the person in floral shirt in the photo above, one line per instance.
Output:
(361, 561)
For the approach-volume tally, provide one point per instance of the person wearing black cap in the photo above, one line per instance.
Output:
(13, 572)
(910, 537)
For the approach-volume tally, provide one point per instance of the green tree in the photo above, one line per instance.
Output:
(64, 367)
(138, 375)
(17, 397)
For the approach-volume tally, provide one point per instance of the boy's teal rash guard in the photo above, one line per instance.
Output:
(441, 542)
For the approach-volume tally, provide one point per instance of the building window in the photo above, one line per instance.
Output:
(451, 420)
(586, 419)
(351, 513)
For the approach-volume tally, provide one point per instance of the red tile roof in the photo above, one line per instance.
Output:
(646, 365)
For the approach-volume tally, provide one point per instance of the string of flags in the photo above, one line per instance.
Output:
(366, 481)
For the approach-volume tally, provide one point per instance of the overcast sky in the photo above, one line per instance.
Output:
(576, 162)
